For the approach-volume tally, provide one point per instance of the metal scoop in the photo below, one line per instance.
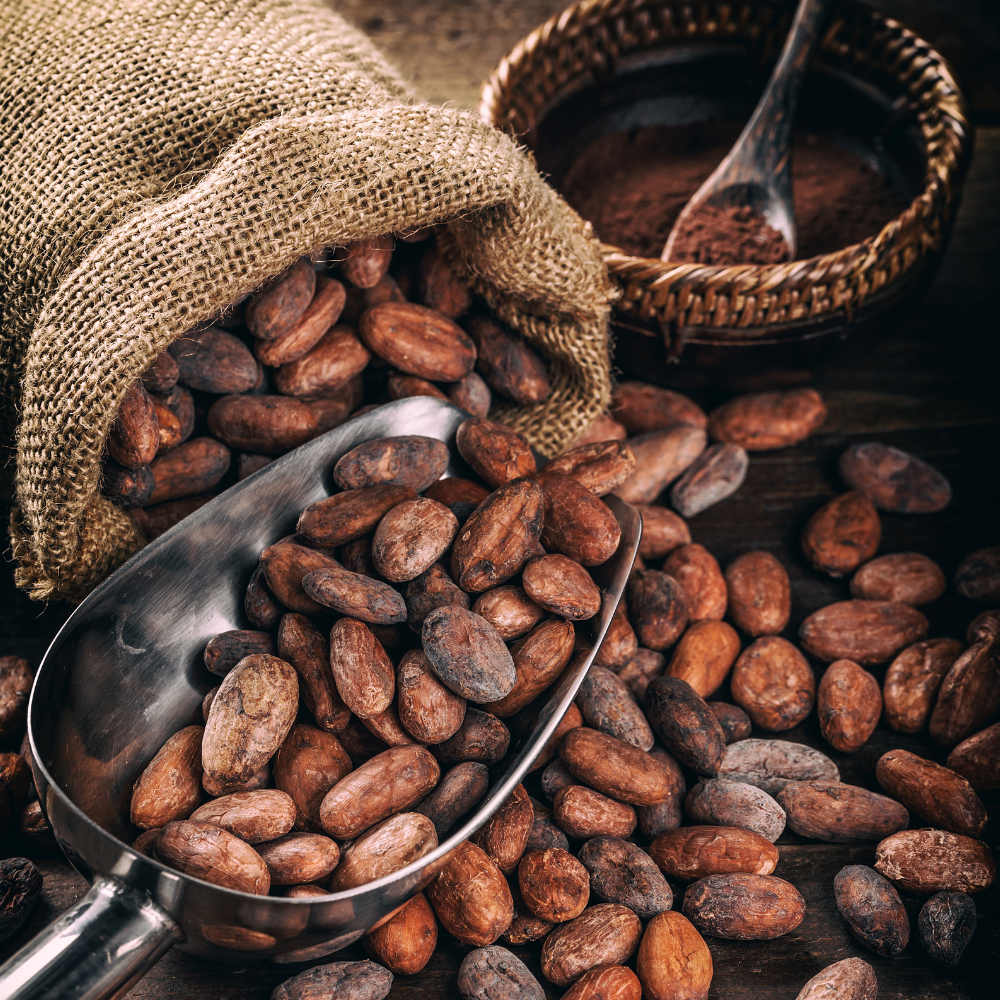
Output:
(124, 674)
(757, 171)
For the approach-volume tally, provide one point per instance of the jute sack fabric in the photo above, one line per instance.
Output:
(160, 158)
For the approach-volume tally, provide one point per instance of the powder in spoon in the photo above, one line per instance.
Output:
(633, 184)
(717, 235)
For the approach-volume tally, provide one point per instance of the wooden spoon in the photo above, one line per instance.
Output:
(757, 170)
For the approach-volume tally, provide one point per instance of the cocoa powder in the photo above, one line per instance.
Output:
(632, 186)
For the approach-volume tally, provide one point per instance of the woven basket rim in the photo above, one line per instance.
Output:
(648, 277)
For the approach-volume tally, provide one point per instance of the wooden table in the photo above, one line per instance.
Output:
(929, 386)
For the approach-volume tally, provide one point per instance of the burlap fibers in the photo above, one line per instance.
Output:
(160, 158)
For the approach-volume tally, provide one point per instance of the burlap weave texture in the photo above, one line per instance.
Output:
(160, 158)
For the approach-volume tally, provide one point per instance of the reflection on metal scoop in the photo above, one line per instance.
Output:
(124, 674)
(757, 171)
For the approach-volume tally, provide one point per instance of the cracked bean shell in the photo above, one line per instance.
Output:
(471, 897)
(760, 596)
(704, 586)
(929, 861)
(893, 479)
(912, 681)
(771, 765)
(849, 704)
(250, 716)
(407, 460)
(842, 534)
(837, 813)
(743, 907)
(498, 537)
(621, 872)
(867, 632)
(576, 523)
(388, 783)
(468, 655)
(694, 852)
(496, 453)
(946, 924)
(937, 794)
(494, 973)
(658, 608)
(361, 668)
(598, 466)
(614, 767)
(411, 538)
(872, 910)
(685, 723)
(773, 683)
(605, 934)
(607, 705)
(721, 802)
(848, 979)
(554, 885)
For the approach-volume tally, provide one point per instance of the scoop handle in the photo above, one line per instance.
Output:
(95, 950)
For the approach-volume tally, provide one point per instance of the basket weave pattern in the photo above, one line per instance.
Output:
(593, 35)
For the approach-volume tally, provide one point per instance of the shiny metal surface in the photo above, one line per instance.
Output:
(125, 673)
(96, 949)
(757, 171)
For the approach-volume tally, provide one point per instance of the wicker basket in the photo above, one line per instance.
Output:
(753, 302)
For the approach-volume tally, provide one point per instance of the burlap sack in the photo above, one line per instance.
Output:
(161, 158)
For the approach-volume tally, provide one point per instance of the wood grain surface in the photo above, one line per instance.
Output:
(929, 386)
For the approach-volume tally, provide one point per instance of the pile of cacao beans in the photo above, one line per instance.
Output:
(406, 630)
(332, 336)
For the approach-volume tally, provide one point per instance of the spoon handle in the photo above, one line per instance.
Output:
(764, 147)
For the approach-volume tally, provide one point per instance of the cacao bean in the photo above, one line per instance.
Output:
(642, 408)
(867, 632)
(717, 473)
(760, 601)
(744, 907)
(929, 861)
(894, 480)
(836, 813)
(660, 457)
(848, 703)
(842, 534)
(946, 924)
(687, 726)
(694, 852)
(767, 420)
(872, 910)
(622, 873)
(912, 682)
